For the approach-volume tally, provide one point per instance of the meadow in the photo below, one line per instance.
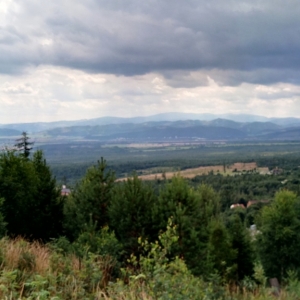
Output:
(236, 168)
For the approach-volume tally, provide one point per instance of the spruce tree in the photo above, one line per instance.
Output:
(49, 204)
(18, 188)
(130, 213)
(192, 211)
(242, 244)
(23, 145)
(221, 255)
(90, 200)
(31, 206)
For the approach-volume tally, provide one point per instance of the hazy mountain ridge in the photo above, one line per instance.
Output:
(164, 126)
(164, 117)
(219, 129)
(292, 133)
(9, 132)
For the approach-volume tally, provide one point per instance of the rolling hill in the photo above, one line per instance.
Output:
(162, 127)
(165, 117)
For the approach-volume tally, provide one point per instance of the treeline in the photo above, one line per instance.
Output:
(248, 186)
(177, 227)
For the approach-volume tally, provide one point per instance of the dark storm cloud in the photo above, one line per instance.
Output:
(237, 41)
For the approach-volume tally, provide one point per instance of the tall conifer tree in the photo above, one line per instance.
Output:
(130, 213)
(90, 200)
(31, 206)
(23, 145)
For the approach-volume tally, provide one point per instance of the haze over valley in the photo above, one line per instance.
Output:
(163, 127)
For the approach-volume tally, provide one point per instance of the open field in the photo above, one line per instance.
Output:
(192, 172)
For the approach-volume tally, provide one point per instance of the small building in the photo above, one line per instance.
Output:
(276, 171)
(237, 205)
(64, 191)
(251, 202)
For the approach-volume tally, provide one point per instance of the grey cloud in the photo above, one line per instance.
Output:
(255, 76)
(276, 96)
(185, 79)
(239, 39)
(10, 36)
(231, 77)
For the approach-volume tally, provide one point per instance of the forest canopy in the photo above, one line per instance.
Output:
(152, 228)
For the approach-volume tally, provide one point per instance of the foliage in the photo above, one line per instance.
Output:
(159, 277)
(192, 211)
(31, 206)
(241, 243)
(293, 283)
(279, 241)
(53, 275)
(48, 208)
(35, 271)
(221, 254)
(2, 222)
(102, 242)
(89, 200)
(130, 213)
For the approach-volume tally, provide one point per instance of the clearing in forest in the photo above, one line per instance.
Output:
(193, 172)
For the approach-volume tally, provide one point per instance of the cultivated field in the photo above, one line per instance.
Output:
(192, 172)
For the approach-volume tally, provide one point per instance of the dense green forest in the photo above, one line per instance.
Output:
(69, 161)
(162, 239)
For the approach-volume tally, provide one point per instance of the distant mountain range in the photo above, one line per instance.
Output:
(165, 127)
(9, 132)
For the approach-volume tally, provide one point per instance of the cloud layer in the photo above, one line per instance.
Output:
(150, 56)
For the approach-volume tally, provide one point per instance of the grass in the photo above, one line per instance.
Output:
(37, 271)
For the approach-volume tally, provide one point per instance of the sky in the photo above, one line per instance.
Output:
(75, 59)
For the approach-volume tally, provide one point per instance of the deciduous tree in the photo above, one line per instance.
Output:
(279, 241)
